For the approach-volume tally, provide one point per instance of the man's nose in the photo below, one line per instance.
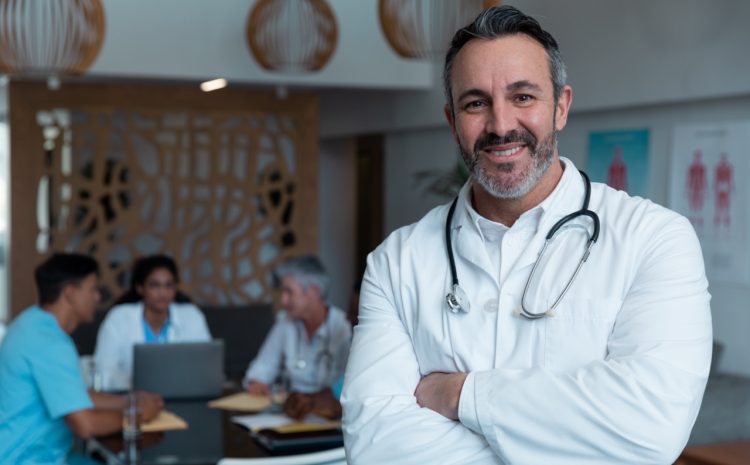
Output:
(501, 119)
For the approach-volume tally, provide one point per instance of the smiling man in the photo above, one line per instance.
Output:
(539, 318)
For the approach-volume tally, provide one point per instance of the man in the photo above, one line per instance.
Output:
(609, 370)
(307, 346)
(42, 394)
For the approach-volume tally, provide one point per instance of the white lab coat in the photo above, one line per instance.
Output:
(616, 376)
(122, 328)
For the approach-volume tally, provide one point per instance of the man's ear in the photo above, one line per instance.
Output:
(313, 292)
(563, 107)
(66, 293)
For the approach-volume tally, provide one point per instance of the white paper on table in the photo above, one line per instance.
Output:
(260, 421)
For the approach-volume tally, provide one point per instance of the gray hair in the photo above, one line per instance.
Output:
(497, 22)
(307, 271)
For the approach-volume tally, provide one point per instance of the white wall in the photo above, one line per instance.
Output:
(632, 64)
(618, 54)
(410, 152)
(407, 153)
(197, 40)
(337, 216)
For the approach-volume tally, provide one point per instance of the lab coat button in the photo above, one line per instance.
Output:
(490, 305)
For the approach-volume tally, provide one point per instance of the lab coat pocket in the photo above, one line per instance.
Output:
(578, 333)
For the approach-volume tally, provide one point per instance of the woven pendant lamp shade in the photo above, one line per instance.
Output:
(50, 37)
(423, 28)
(292, 35)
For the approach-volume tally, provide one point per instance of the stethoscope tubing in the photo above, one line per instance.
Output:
(457, 300)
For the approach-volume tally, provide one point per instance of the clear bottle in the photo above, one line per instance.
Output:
(131, 429)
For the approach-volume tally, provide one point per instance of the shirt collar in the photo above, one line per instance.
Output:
(556, 205)
(322, 330)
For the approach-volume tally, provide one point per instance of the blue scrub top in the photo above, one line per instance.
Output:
(40, 383)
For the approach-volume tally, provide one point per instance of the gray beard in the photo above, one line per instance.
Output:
(542, 159)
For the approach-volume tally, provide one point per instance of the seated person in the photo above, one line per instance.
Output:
(309, 343)
(147, 313)
(43, 397)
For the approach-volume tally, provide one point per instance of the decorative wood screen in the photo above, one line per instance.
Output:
(223, 182)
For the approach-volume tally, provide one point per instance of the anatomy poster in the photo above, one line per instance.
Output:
(708, 185)
(620, 159)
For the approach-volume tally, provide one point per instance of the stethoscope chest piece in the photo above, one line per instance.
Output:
(457, 300)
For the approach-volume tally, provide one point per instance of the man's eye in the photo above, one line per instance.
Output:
(524, 98)
(475, 105)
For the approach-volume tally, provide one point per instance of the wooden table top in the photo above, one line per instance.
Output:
(730, 453)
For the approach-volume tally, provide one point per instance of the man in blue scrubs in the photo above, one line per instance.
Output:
(43, 398)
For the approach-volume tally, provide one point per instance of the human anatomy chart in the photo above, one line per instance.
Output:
(620, 159)
(709, 167)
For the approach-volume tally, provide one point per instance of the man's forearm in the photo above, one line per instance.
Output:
(104, 401)
(441, 392)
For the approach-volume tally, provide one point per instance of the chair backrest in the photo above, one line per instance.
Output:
(84, 336)
(243, 329)
(335, 456)
(179, 370)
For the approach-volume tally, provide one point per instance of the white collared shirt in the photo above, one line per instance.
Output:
(616, 377)
(309, 365)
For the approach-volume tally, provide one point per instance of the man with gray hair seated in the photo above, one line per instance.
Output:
(308, 345)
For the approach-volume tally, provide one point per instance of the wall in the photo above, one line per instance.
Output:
(632, 65)
(618, 54)
(412, 151)
(731, 316)
(337, 221)
(197, 40)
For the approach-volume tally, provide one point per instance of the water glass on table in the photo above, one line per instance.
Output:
(131, 415)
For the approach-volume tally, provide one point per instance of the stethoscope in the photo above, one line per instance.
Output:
(326, 354)
(459, 302)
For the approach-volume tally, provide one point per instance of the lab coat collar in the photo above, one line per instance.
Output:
(565, 198)
(173, 319)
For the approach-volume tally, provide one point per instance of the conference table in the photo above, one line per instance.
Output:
(211, 436)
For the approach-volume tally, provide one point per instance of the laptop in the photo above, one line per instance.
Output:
(181, 370)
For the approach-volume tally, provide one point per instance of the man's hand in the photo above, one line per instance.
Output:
(326, 405)
(321, 403)
(150, 404)
(298, 405)
(258, 388)
(441, 392)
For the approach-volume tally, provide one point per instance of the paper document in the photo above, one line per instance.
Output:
(284, 424)
(166, 421)
(241, 402)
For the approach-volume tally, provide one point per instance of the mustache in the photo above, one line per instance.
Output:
(491, 139)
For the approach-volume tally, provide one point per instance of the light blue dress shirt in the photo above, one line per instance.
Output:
(308, 365)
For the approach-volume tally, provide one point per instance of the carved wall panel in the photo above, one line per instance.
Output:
(226, 191)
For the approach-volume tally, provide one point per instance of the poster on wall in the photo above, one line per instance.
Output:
(709, 165)
(620, 159)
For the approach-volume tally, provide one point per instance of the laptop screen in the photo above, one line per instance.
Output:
(179, 370)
